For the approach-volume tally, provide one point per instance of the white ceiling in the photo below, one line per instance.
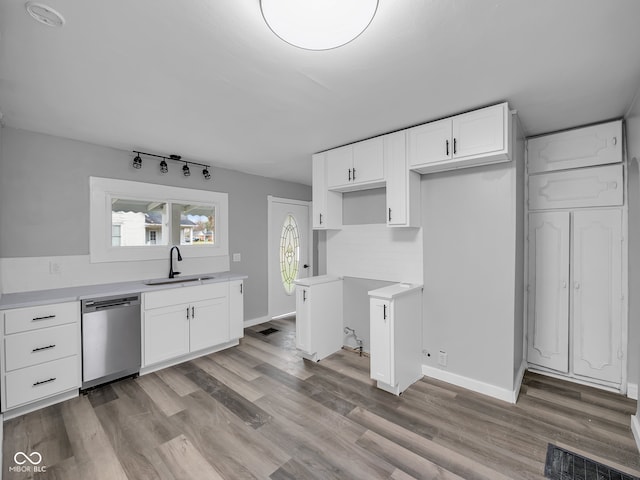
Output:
(207, 79)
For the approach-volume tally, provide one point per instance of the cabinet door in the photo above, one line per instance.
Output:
(209, 324)
(339, 166)
(430, 143)
(548, 305)
(397, 184)
(597, 294)
(319, 190)
(381, 341)
(303, 320)
(236, 309)
(581, 147)
(480, 132)
(166, 333)
(368, 161)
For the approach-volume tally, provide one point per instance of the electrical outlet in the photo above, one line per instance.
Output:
(55, 268)
(442, 358)
(237, 257)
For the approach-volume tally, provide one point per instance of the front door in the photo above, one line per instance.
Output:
(288, 250)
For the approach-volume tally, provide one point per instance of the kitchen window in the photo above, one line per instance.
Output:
(141, 221)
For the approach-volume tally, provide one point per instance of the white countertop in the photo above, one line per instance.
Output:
(309, 281)
(395, 290)
(71, 294)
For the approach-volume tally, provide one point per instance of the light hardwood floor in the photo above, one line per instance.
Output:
(259, 411)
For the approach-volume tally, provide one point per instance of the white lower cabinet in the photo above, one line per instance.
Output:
(575, 293)
(184, 320)
(396, 336)
(236, 309)
(41, 360)
(319, 316)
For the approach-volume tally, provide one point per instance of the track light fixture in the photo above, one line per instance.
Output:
(164, 167)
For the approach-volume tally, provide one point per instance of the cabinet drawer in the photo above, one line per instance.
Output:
(176, 296)
(40, 381)
(32, 318)
(582, 147)
(39, 346)
(584, 187)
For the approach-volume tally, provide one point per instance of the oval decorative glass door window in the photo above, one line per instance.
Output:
(289, 253)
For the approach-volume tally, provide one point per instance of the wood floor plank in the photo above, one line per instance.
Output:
(185, 461)
(177, 382)
(406, 460)
(243, 408)
(166, 399)
(294, 367)
(93, 453)
(232, 364)
(228, 378)
(426, 448)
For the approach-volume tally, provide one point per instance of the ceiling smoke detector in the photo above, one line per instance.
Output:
(44, 14)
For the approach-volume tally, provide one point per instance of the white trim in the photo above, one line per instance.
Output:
(500, 393)
(518, 380)
(256, 321)
(103, 189)
(635, 428)
(632, 391)
(270, 261)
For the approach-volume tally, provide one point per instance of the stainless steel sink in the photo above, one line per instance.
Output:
(169, 281)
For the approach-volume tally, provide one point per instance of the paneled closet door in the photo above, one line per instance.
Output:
(597, 292)
(548, 315)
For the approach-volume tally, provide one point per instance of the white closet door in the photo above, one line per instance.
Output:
(548, 316)
(597, 290)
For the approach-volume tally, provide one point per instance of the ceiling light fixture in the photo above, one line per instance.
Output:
(164, 167)
(318, 24)
(44, 14)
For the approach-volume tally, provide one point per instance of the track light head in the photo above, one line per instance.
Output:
(137, 162)
(185, 170)
(206, 174)
(164, 168)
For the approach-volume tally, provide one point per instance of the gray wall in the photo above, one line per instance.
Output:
(44, 193)
(633, 152)
(469, 232)
(364, 207)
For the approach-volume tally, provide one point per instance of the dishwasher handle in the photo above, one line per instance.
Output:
(98, 304)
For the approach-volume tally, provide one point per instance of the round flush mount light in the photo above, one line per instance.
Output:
(44, 14)
(318, 24)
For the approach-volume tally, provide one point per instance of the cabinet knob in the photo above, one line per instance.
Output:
(615, 140)
(577, 285)
(564, 284)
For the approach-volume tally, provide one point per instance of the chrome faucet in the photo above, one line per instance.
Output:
(171, 272)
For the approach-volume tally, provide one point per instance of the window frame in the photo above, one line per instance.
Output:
(103, 190)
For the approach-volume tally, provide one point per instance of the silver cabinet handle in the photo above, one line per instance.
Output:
(241, 289)
(304, 295)
(39, 349)
(187, 313)
(193, 312)
(384, 311)
(349, 174)
(354, 174)
(615, 140)
(447, 147)
(52, 379)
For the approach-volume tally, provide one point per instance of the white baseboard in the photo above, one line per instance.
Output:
(635, 428)
(256, 321)
(500, 393)
(632, 390)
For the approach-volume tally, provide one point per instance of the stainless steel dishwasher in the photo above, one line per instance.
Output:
(110, 339)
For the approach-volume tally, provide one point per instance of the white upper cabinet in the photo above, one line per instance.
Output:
(475, 138)
(357, 166)
(326, 205)
(430, 143)
(581, 147)
(403, 185)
